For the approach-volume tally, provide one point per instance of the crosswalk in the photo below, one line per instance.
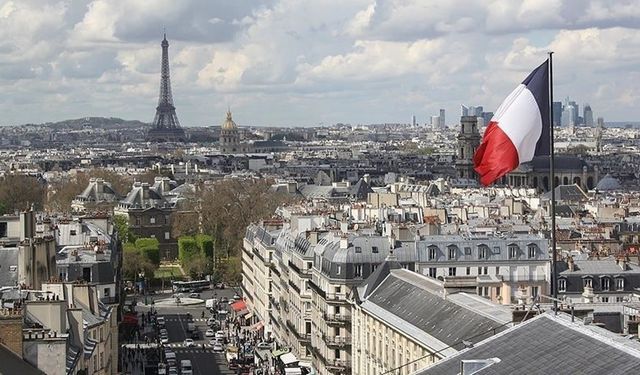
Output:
(185, 320)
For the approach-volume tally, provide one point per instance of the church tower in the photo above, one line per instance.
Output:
(229, 136)
(468, 142)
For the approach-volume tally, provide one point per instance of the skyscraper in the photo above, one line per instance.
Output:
(588, 116)
(557, 113)
(576, 112)
(166, 127)
(442, 123)
(413, 120)
(569, 116)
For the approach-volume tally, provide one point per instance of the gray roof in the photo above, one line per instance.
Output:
(568, 193)
(448, 322)
(608, 183)
(549, 344)
(10, 363)
(601, 267)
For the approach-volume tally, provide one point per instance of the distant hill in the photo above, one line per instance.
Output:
(96, 122)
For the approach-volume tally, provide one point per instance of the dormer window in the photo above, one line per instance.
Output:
(374, 249)
(606, 284)
(483, 252)
(562, 285)
(358, 249)
(72, 232)
(433, 252)
(532, 250)
(588, 282)
(452, 252)
(619, 283)
(513, 251)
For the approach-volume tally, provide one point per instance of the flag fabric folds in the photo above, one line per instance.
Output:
(518, 131)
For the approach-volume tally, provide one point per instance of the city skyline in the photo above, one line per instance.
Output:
(274, 65)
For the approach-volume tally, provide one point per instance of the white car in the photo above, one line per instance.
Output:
(211, 321)
(209, 333)
(218, 348)
(220, 335)
(164, 339)
(189, 343)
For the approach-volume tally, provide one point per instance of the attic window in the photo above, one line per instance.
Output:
(13, 268)
(374, 249)
(358, 249)
(72, 232)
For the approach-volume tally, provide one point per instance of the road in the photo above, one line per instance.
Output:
(203, 359)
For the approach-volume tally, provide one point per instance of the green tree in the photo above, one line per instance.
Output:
(205, 243)
(122, 225)
(150, 247)
(187, 248)
(134, 262)
(197, 266)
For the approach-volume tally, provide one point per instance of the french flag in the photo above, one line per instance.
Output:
(518, 131)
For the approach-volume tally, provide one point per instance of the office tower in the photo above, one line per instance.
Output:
(464, 110)
(413, 120)
(576, 111)
(588, 116)
(442, 122)
(568, 116)
(557, 113)
(435, 122)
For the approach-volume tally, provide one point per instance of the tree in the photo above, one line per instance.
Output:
(63, 192)
(122, 226)
(134, 262)
(197, 266)
(20, 192)
(149, 247)
(187, 248)
(205, 243)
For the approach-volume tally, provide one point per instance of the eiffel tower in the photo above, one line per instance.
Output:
(166, 127)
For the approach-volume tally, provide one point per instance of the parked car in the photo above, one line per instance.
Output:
(161, 321)
(220, 286)
(189, 343)
(264, 345)
(217, 347)
(237, 297)
(209, 333)
(211, 321)
(164, 339)
(194, 295)
(220, 335)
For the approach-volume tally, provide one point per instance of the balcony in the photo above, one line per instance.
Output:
(317, 289)
(304, 338)
(339, 319)
(340, 298)
(338, 365)
(336, 342)
(294, 286)
(301, 273)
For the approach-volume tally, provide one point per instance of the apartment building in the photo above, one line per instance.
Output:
(403, 321)
(300, 273)
(63, 328)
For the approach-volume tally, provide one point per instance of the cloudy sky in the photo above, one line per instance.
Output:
(310, 62)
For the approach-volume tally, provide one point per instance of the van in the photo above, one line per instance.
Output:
(185, 367)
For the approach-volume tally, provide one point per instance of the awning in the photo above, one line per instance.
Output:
(279, 352)
(239, 306)
(257, 326)
(248, 316)
(243, 312)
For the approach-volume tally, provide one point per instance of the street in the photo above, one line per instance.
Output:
(203, 358)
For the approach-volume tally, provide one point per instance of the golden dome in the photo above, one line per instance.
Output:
(228, 124)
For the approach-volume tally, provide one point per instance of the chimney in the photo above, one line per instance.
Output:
(570, 263)
(99, 185)
(145, 190)
(344, 242)
(366, 178)
(344, 226)
(587, 295)
(392, 241)
(99, 253)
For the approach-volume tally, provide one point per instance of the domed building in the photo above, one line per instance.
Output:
(230, 137)
(609, 183)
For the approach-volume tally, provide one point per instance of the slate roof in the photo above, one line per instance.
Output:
(601, 267)
(608, 183)
(562, 163)
(549, 344)
(10, 363)
(448, 322)
(568, 193)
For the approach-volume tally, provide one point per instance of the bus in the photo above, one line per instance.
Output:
(186, 286)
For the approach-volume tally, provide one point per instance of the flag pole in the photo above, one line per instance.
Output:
(552, 175)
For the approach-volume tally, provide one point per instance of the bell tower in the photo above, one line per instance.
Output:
(468, 142)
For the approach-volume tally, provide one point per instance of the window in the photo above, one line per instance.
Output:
(432, 252)
(373, 267)
(482, 252)
(604, 299)
(619, 283)
(358, 249)
(534, 291)
(152, 220)
(497, 270)
(107, 292)
(605, 284)
(588, 282)
(338, 269)
(72, 232)
(138, 221)
(486, 270)
(468, 271)
(452, 252)
(513, 251)
(337, 353)
(357, 270)
(467, 251)
(374, 249)
(531, 250)
(562, 285)
(338, 290)
(433, 272)
(452, 271)
(496, 249)
(498, 290)
(167, 235)
(619, 299)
